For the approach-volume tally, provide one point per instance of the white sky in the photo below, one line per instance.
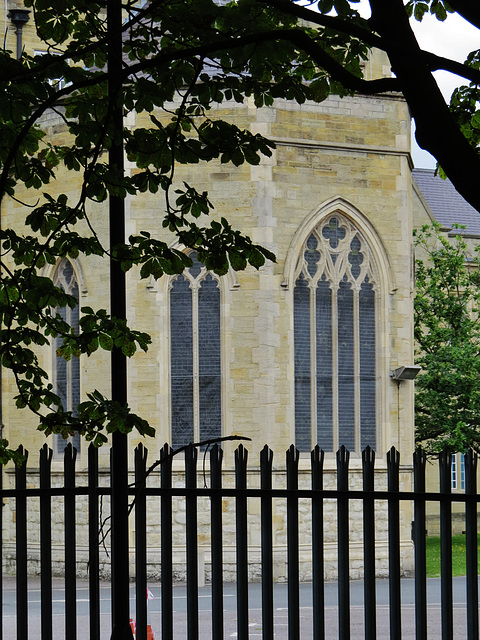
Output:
(454, 39)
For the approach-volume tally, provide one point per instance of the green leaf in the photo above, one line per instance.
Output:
(106, 342)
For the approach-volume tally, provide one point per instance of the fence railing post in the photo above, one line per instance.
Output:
(471, 542)
(21, 546)
(445, 469)
(119, 543)
(343, 533)
(368, 465)
(191, 542)
(420, 551)
(166, 542)
(46, 542)
(140, 543)
(292, 545)
(266, 462)
(318, 589)
(70, 456)
(393, 474)
(93, 543)
(241, 456)
(216, 540)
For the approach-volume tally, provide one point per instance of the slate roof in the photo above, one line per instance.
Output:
(447, 205)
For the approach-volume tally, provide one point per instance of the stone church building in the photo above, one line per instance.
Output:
(300, 351)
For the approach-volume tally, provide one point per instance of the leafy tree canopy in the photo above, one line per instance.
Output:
(447, 334)
(181, 58)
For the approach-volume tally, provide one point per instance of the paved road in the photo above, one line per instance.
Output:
(255, 614)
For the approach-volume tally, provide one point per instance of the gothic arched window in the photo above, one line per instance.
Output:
(335, 339)
(195, 367)
(66, 373)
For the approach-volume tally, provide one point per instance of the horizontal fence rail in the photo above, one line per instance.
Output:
(263, 512)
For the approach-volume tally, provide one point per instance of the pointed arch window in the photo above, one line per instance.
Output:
(335, 298)
(66, 373)
(195, 363)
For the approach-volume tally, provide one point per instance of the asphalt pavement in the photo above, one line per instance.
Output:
(255, 613)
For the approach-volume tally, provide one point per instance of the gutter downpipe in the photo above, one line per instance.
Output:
(19, 17)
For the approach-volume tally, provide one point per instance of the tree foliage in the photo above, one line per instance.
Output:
(447, 334)
(181, 59)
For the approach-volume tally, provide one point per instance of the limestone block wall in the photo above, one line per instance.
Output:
(350, 155)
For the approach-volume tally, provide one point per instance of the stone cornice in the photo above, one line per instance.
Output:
(340, 146)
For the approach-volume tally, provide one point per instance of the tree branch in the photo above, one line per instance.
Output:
(332, 22)
(468, 10)
(436, 130)
(298, 38)
(372, 39)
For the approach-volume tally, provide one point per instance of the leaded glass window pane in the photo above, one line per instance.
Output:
(209, 374)
(324, 366)
(346, 370)
(367, 364)
(181, 362)
(301, 316)
(195, 355)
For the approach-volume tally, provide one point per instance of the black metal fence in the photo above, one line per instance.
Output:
(216, 493)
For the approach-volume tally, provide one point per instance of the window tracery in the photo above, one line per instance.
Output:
(335, 297)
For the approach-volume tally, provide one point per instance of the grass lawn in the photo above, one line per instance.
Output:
(458, 556)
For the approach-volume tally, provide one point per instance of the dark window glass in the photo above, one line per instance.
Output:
(346, 388)
(195, 355)
(181, 364)
(367, 365)
(324, 366)
(302, 364)
(209, 377)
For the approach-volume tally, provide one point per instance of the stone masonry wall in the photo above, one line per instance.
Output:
(279, 526)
